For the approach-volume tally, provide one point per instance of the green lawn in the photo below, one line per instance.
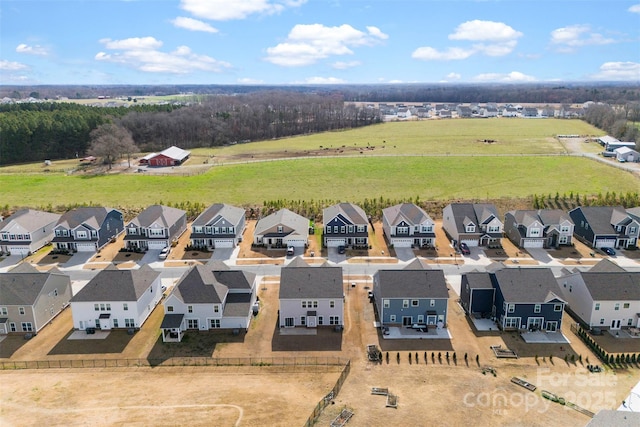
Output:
(354, 179)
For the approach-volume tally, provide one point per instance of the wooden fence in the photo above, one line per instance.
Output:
(317, 411)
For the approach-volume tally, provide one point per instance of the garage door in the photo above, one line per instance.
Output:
(296, 243)
(402, 243)
(606, 243)
(534, 243)
(471, 243)
(86, 247)
(224, 243)
(157, 245)
(18, 250)
(334, 243)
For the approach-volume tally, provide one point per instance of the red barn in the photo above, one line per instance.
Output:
(172, 156)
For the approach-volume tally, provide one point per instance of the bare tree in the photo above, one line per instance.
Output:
(111, 141)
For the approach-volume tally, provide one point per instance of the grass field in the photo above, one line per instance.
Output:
(348, 179)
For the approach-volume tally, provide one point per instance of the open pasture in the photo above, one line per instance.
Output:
(353, 179)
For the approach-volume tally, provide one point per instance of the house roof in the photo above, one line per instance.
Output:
(601, 218)
(349, 211)
(112, 284)
(476, 213)
(612, 286)
(174, 153)
(409, 212)
(28, 220)
(92, 216)
(412, 284)
(298, 224)
(297, 262)
(417, 264)
(310, 282)
(527, 285)
(479, 280)
(171, 321)
(237, 305)
(225, 215)
(625, 150)
(605, 265)
(235, 279)
(164, 215)
(21, 288)
(199, 286)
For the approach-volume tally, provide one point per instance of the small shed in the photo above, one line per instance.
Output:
(626, 154)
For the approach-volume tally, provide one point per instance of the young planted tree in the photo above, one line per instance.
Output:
(110, 141)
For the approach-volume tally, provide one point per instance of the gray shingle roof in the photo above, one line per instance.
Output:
(21, 288)
(606, 265)
(412, 284)
(237, 305)
(410, 212)
(219, 211)
(600, 218)
(612, 286)
(310, 282)
(29, 219)
(112, 284)
(199, 286)
(527, 285)
(164, 215)
(291, 221)
(349, 211)
(235, 279)
(92, 216)
(479, 280)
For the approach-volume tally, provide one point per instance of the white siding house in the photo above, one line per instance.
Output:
(26, 231)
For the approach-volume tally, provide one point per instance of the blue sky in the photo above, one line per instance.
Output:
(317, 41)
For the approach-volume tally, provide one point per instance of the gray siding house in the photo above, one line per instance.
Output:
(29, 299)
(87, 229)
(219, 226)
(345, 224)
(156, 227)
(408, 225)
(26, 231)
(606, 226)
(411, 296)
(545, 228)
(476, 224)
(281, 229)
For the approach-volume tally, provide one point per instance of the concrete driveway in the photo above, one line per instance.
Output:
(9, 262)
(222, 254)
(404, 254)
(334, 256)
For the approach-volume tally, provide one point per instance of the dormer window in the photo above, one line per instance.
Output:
(471, 228)
(279, 229)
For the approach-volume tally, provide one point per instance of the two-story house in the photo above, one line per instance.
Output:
(26, 231)
(545, 228)
(476, 224)
(408, 225)
(87, 229)
(606, 296)
(219, 226)
(345, 224)
(117, 298)
(283, 228)
(411, 296)
(209, 297)
(156, 227)
(310, 296)
(605, 226)
(30, 299)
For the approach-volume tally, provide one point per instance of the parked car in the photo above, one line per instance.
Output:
(291, 251)
(341, 249)
(464, 249)
(609, 251)
(164, 253)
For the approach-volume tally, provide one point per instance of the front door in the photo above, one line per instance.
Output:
(97, 323)
(407, 320)
(431, 319)
(615, 324)
(311, 321)
(288, 322)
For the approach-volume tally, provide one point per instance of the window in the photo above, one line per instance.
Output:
(125, 306)
(557, 307)
(494, 229)
(421, 318)
(392, 318)
(303, 320)
(102, 307)
(334, 320)
(55, 292)
(108, 307)
(169, 309)
(602, 321)
(12, 327)
(216, 308)
(129, 323)
(563, 240)
(511, 308)
(617, 306)
(432, 303)
(597, 306)
(3, 311)
(537, 308)
(343, 229)
(279, 229)
(27, 327)
(115, 323)
(362, 228)
(315, 304)
(320, 320)
(385, 303)
(81, 234)
(350, 228)
(534, 232)
(214, 323)
(132, 230)
(192, 323)
(564, 229)
(332, 304)
(21, 310)
(190, 308)
(625, 305)
(415, 303)
(405, 303)
(470, 228)
(304, 304)
(630, 322)
(511, 322)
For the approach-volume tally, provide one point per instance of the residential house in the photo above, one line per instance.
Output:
(463, 111)
(219, 226)
(117, 298)
(345, 224)
(489, 111)
(310, 296)
(408, 225)
(87, 229)
(509, 112)
(476, 224)
(477, 294)
(411, 296)
(26, 231)
(605, 226)
(404, 113)
(282, 229)
(529, 112)
(172, 156)
(545, 228)
(627, 154)
(209, 297)
(30, 299)
(606, 296)
(156, 227)
(527, 299)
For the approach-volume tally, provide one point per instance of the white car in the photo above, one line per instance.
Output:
(164, 253)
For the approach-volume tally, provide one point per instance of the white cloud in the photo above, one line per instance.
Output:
(32, 50)
(249, 81)
(512, 77)
(342, 65)
(193, 25)
(635, 8)
(485, 30)
(566, 39)
(323, 80)
(224, 10)
(430, 54)
(143, 54)
(453, 76)
(493, 39)
(307, 44)
(12, 66)
(626, 71)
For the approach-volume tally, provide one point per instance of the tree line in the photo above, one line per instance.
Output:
(620, 121)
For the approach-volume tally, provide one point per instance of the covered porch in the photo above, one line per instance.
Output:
(171, 328)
